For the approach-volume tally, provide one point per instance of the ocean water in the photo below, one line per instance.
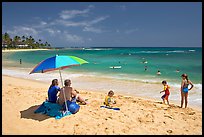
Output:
(131, 63)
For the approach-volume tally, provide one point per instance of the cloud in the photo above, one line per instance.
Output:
(68, 14)
(123, 7)
(40, 25)
(70, 23)
(92, 29)
(53, 32)
(71, 38)
(54, 27)
(43, 23)
(131, 31)
(23, 31)
(97, 20)
(3, 28)
(66, 19)
(89, 39)
(91, 6)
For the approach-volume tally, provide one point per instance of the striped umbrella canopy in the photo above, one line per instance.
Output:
(57, 63)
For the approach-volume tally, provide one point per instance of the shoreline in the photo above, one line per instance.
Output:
(177, 103)
(104, 84)
(16, 50)
(20, 97)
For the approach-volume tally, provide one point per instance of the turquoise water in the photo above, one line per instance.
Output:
(167, 60)
(131, 78)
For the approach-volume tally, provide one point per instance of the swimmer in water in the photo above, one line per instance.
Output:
(145, 68)
(158, 72)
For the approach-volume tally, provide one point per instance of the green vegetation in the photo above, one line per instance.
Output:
(22, 42)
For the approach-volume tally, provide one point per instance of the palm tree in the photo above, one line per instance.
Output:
(49, 45)
(16, 40)
(30, 41)
(6, 39)
(23, 37)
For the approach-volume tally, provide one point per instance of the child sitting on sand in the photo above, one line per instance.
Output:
(109, 101)
(167, 92)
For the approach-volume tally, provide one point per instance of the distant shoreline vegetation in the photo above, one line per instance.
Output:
(22, 42)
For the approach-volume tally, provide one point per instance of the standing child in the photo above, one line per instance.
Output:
(167, 92)
(109, 100)
(184, 89)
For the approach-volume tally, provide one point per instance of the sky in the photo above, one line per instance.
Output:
(106, 24)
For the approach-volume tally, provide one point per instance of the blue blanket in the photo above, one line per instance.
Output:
(52, 109)
(110, 107)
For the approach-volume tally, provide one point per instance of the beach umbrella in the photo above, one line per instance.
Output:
(58, 62)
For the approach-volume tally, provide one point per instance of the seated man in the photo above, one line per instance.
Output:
(70, 94)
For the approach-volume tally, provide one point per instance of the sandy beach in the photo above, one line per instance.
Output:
(21, 97)
(16, 50)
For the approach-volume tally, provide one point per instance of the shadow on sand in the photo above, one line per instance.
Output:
(29, 114)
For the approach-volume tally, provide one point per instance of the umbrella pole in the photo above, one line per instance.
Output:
(63, 91)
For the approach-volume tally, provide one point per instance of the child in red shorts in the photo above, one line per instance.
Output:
(167, 92)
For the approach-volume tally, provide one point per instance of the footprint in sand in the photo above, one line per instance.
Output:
(168, 116)
(191, 113)
(169, 131)
(147, 118)
(134, 101)
(194, 118)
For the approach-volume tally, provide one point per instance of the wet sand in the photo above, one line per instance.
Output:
(16, 50)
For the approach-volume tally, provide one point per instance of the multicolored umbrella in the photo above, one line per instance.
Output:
(58, 63)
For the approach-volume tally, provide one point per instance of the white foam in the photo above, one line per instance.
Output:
(176, 51)
(191, 50)
(148, 52)
(153, 52)
(97, 48)
(38, 76)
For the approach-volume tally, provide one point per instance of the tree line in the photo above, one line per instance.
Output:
(8, 42)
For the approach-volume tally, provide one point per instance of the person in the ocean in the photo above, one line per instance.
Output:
(109, 101)
(177, 70)
(158, 72)
(184, 89)
(145, 68)
(52, 91)
(20, 61)
(167, 92)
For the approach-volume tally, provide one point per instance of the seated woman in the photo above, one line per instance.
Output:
(70, 94)
(52, 91)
